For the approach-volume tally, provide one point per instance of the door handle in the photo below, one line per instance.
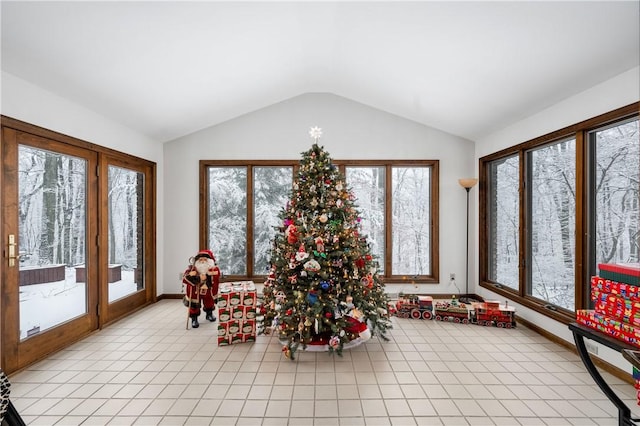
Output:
(12, 250)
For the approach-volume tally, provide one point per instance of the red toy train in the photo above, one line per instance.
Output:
(480, 313)
(412, 306)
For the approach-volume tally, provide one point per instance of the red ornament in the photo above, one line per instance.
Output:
(328, 315)
(289, 312)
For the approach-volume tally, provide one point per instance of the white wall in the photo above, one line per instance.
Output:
(350, 131)
(607, 96)
(29, 103)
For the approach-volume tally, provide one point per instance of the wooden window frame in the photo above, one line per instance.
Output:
(341, 164)
(580, 132)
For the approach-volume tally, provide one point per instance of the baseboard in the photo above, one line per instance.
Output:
(170, 296)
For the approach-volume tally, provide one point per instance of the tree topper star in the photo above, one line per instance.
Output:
(315, 133)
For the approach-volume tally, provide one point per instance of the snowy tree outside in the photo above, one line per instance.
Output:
(227, 218)
(367, 184)
(126, 228)
(52, 208)
(271, 189)
(411, 222)
(552, 217)
(617, 189)
(503, 211)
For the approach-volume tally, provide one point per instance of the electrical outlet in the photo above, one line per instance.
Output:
(452, 276)
(591, 347)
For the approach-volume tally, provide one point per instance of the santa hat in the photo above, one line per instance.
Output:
(205, 253)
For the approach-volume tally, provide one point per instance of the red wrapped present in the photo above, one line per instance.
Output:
(618, 307)
(628, 273)
(609, 326)
(602, 285)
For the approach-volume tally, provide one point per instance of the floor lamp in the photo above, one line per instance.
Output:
(467, 184)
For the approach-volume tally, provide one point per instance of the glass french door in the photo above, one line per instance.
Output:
(124, 229)
(48, 189)
(78, 231)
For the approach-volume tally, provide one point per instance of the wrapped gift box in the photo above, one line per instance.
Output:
(628, 273)
(609, 326)
(618, 307)
(237, 312)
(603, 285)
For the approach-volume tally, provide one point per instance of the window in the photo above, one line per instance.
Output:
(243, 200)
(554, 207)
(368, 185)
(227, 217)
(397, 201)
(410, 227)
(615, 194)
(271, 191)
(551, 211)
(503, 213)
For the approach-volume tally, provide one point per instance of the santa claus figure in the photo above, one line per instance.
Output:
(201, 280)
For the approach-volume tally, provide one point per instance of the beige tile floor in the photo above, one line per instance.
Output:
(148, 370)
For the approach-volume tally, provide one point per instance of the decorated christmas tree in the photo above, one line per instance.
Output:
(323, 291)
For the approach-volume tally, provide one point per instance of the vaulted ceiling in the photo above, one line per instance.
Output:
(167, 69)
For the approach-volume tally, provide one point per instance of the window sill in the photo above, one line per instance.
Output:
(561, 315)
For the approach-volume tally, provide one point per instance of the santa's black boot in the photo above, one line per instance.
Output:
(194, 321)
(210, 316)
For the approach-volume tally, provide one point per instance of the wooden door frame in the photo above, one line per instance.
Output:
(16, 354)
(110, 312)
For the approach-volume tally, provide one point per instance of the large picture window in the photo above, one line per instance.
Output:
(551, 212)
(553, 208)
(615, 193)
(411, 222)
(397, 201)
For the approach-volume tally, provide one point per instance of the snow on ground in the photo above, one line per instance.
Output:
(43, 306)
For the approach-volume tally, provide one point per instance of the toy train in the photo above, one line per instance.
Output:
(479, 313)
(412, 306)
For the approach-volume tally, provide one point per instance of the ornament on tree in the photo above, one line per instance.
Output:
(315, 299)
(302, 254)
(312, 266)
(291, 234)
(312, 298)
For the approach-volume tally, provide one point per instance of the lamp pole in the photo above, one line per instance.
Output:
(467, 252)
(467, 184)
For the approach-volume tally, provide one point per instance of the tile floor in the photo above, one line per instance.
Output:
(148, 370)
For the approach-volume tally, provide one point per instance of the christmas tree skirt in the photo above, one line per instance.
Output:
(324, 347)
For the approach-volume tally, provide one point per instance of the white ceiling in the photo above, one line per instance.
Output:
(168, 68)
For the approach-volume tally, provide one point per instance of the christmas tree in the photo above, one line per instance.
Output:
(323, 291)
